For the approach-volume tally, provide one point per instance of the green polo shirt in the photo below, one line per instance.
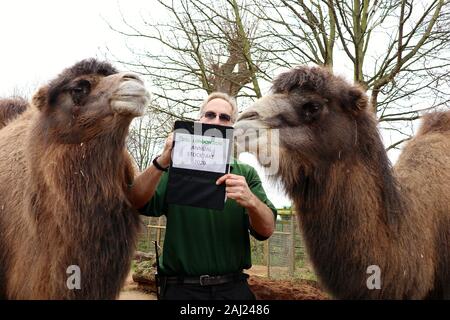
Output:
(203, 241)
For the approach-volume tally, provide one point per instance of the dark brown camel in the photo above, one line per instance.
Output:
(355, 211)
(64, 174)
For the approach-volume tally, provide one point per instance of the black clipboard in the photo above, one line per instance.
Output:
(189, 182)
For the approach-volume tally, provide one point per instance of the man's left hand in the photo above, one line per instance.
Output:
(237, 189)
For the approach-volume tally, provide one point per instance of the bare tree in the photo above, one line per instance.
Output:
(201, 47)
(397, 50)
(296, 33)
(198, 48)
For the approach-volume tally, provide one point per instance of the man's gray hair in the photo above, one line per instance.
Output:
(223, 96)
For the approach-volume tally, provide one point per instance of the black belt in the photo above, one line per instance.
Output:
(205, 280)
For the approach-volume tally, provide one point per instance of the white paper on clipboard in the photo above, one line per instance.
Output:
(202, 153)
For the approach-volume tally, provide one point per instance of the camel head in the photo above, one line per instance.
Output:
(317, 115)
(88, 100)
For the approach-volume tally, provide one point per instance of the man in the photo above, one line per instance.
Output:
(206, 250)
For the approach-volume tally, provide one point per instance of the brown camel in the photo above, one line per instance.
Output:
(10, 109)
(359, 218)
(67, 230)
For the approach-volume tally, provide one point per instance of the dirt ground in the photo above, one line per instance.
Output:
(263, 287)
(298, 289)
(131, 291)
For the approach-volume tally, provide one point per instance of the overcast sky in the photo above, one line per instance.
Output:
(41, 38)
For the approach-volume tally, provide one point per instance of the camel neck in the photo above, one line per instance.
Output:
(349, 218)
(80, 177)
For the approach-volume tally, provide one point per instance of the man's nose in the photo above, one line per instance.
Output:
(216, 120)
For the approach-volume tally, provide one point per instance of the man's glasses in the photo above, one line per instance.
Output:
(212, 115)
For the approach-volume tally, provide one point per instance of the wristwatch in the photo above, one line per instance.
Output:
(158, 166)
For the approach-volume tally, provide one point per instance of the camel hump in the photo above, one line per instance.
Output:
(11, 108)
(435, 122)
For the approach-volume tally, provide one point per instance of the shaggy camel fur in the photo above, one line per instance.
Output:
(10, 109)
(64, 176)
(359, 218)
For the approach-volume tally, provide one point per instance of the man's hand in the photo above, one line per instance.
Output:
(260, 215)
(166, 155)
(237, 189)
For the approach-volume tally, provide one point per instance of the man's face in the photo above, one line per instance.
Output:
(218, 112)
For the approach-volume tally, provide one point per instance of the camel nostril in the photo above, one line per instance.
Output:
(131, 76)
(251, 115)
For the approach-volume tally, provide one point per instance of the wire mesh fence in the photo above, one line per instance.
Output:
(282, 256)
(152, 229)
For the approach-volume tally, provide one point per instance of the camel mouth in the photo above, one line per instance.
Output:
(248, 115)
(241, 126)
(252, 135)
(261, 141)
(131, 98)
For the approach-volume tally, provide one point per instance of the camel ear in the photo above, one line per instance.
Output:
(40, 98)
(356, 99)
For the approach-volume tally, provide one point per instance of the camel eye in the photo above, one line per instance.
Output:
(80, 91)
(311, 107)
(310, 111)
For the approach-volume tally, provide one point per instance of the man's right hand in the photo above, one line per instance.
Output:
(166, 155)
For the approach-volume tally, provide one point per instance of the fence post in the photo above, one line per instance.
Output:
(267, 254)
(292, 253)
(148, 231)
(158, 231)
